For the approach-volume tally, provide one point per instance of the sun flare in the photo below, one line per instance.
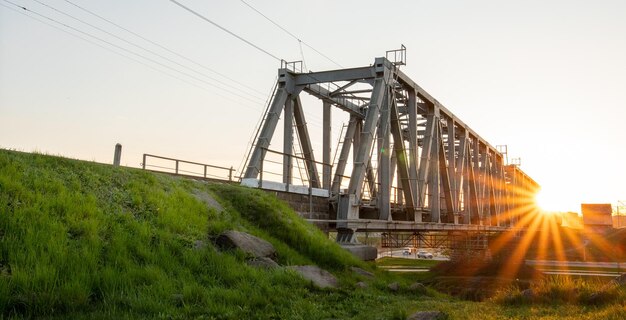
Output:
(548, 203)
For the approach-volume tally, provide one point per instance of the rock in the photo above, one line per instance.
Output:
(417, 287)
(263, 262)
(362, 272)
(208, 200)
(361, 285)
(428, 315)
(528, 294)
(247, 243)
(319, 277)
(394, 287)
(361, 251)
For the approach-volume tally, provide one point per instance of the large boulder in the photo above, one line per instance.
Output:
(247, 243)
(361, 251)
(263, 263)
(319, 277)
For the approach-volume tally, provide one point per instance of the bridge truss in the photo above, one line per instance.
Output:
(411, 160)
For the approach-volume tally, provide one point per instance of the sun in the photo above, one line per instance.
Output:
(547, 203)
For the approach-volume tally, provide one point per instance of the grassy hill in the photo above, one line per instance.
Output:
(81, 240)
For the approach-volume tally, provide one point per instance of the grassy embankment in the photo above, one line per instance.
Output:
(85, 240)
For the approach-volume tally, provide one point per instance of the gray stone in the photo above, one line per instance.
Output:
(394, 286)
(361, 251)
(362, 272)
(263, 262)
(361, 285)
(319, 277)
(417, 287)
(247, 243)
(208, 200)
(428, 315)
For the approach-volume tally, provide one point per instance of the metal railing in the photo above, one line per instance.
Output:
(177, 171)
(304, 180)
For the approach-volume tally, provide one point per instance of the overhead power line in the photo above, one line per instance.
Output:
(291, 34)
(25, 9)
(151, 52)
(225, 30)
(165, 48)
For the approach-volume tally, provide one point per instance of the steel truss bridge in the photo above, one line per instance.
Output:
(414, 166)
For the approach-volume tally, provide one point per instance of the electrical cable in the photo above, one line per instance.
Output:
(224, 29)
(165, 48)
(109, 49)
(146, 50)
(291, 34)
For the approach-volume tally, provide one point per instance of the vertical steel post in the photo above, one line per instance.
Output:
(326, 145)
(288, 142)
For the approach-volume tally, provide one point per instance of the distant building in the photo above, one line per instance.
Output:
(572, 220)
(597, 217)
(619, 221)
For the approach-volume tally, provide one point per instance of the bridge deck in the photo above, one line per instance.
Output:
(361, 225)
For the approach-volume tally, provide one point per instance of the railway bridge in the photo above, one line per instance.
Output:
(404, 165)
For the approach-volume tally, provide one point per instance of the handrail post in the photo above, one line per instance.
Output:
(143, 164)
(176, 167)
(310, 191)
(230, 174)
(261, 169)
(205, 171)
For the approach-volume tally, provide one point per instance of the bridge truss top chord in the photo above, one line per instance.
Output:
(442, 170)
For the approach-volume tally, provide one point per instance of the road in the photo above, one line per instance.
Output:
(578, 268)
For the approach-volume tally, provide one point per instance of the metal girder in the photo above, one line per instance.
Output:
(366, 139)
(384, 158)
(305, 142)
(342, 103)
(424, 165)
(344, 154)
(288, 141)
(267, 131)
(443, 171)
(334, 75)
(402, 161)
(326, 145)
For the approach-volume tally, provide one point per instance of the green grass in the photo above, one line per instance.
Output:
(81, 240)
(404, 262)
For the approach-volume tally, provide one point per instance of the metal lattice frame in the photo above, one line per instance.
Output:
(443, 171)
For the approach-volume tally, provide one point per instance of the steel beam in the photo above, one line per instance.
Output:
(305, 142)
(288, 142)
(267, 131)
(326, 145)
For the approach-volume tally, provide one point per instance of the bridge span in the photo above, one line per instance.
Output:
(404, 161)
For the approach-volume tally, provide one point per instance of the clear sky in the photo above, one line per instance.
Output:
(546, 78)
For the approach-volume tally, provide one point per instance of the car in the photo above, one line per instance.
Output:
(424, 255)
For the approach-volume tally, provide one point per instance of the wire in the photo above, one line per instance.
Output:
(165, 48)
(131, 52)
(291, 34)
(225, 30)
(109, 49)
(148, 50)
